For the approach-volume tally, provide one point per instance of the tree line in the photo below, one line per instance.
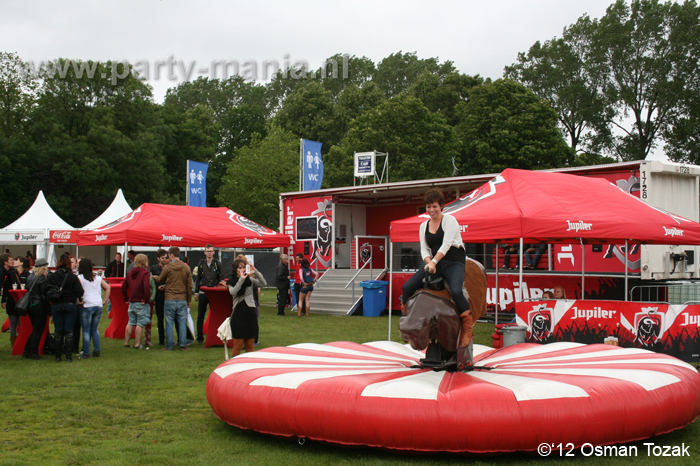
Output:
(608, 89)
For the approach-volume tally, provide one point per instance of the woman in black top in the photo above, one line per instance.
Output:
(39, 310)
(64, 309)
(14, 278)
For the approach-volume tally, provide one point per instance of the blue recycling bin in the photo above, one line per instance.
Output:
(373, 297)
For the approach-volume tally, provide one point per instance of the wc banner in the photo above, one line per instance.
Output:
(664, 328)
(197, 183)
(312, 165)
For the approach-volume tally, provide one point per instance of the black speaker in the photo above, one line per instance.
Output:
(597, 248)
(689, 257)
(306, 248)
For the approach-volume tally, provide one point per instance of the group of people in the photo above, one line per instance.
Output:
(304, 280)
(57, 294)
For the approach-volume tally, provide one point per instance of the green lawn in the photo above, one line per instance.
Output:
(149, 408)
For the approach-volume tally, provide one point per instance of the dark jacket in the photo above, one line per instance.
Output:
(12, 277)
(208, 275)
(72, 289)
(113, 270)
(282, 278)
(36, 297)
(138, 280)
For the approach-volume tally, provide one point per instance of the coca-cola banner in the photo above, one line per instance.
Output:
(663, 328)
(63, 236)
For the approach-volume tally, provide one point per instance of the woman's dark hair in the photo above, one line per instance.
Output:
(434, 195)
(305, 263)
(64, 262)
(85, 269)
(236, 263)
(24, 261)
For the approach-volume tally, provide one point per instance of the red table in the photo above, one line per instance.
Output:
(111, 281)
(119, 315)
(25, 328)
(220, 307)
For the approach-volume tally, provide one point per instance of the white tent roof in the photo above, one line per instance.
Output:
(40, 216)
(116, 210)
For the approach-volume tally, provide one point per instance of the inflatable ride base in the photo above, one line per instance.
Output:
(374, 394)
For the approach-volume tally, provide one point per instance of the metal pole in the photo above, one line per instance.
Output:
(391, 283)
(496, 291)
(301, 164)
(520, 275)
(626, 269)
(583, 269)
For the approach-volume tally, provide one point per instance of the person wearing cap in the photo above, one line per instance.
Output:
(39, 310)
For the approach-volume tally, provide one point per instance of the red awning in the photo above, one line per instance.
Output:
(174, 225)
(556, 207)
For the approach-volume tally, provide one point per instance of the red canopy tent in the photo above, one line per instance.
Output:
(556, 207)
(529, 207)
(175, 225)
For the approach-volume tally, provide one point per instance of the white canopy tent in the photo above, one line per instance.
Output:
(116, 210)
(33, 227)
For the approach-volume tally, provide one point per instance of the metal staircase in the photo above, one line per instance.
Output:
(330, 295)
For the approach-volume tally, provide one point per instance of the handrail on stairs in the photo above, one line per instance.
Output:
(352, 280)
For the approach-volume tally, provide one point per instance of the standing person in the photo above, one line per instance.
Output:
(297, 278)
(130, 257)
(177, 277)
(116, 267)
(92, 306)
(282, 284)
(6, 264)
(209, 273)
(138, 280)
(16, 276)
(63, 306)
(30, 256)
(159, 304)
(308, 277)
(39, 310)
(244, 321)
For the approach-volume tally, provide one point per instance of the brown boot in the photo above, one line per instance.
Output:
(467, 333)
(12, 340)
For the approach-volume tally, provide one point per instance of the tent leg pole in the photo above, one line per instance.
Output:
(583, 269)
(391, 284)
(626, 269)
(496, 291)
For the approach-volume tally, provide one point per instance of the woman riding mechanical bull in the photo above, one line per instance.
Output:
(444, 256)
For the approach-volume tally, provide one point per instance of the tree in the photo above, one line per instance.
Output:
(342, 70)
(308, 113)
(258, 173)
(564, 73)
(650, 50)
(17, 92)
(442, 93)
(96, 129)
(396, 73)
(420, 143)
(504, 125)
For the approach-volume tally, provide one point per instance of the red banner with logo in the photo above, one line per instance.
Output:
(63, 236)
(663, 328)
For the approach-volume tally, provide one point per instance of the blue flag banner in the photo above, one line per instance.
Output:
(197, 183)
(312, 165)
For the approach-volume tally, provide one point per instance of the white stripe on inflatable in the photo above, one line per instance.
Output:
(398, 348)
(423, 386)
(306, 358)
(532, 351)
(528, 388)
(231, 369)
(350, 352)
(292, 380)
(663, 361)
(649, 380)
(603, 353)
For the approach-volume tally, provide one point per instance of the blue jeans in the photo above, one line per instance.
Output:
(64, 315)
(89, 318)
(452, 273)
(175, 310)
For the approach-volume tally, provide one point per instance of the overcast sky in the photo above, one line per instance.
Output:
(480, 37)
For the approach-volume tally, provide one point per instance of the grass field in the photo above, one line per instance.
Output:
(149, 408)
